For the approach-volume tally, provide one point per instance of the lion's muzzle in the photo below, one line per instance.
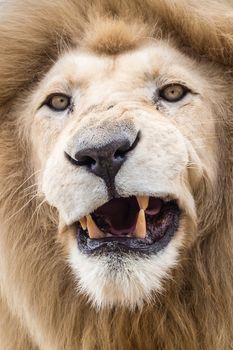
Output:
(106, 160)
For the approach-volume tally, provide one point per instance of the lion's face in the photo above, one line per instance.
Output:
(121, 147)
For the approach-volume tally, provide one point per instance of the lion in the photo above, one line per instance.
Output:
(116, 176)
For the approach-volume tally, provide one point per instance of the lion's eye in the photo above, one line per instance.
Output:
(58, 102)
(173, 92)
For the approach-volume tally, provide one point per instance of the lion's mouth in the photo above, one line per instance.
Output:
(143, 224)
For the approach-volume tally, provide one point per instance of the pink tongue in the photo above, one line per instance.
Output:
(154, 206)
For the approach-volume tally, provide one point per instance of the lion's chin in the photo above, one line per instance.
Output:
(123, 279)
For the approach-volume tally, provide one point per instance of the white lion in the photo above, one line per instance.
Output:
(116, 175)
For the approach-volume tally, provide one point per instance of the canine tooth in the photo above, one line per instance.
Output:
(93, 230)
(140, 229)
(143, 202)
(83, 223)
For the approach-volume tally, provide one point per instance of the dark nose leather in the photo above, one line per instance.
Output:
(105, 161)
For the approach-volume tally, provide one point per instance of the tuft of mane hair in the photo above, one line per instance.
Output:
(197, 311)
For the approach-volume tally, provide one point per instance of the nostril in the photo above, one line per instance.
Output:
(85, 161)
(81, 160)
(119, 154)
(124, 149)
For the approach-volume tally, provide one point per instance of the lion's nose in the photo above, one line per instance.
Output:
(105, 161)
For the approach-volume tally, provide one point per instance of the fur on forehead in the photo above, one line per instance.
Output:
(113, 36)
(33, 34)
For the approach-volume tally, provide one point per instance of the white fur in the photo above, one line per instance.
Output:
(158, 166)
(127, 281)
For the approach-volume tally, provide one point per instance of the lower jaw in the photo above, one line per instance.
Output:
(128, 245)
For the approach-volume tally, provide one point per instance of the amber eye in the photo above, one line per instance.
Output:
(58, 102)
(173, 92)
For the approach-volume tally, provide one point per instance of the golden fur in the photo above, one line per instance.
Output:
(196, 312)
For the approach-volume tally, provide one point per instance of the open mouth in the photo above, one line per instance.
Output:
(139, 224)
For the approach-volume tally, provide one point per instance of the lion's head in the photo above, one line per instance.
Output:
(120, 147)
(116, 171)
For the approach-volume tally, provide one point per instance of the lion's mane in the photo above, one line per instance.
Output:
(197, 312)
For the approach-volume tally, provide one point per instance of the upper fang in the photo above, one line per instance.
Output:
(143, 202)
(140, 229)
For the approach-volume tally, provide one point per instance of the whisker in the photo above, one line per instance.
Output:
(18, 211)
(33, 193)
(37, 210)
(31, 186)
(21, 185)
